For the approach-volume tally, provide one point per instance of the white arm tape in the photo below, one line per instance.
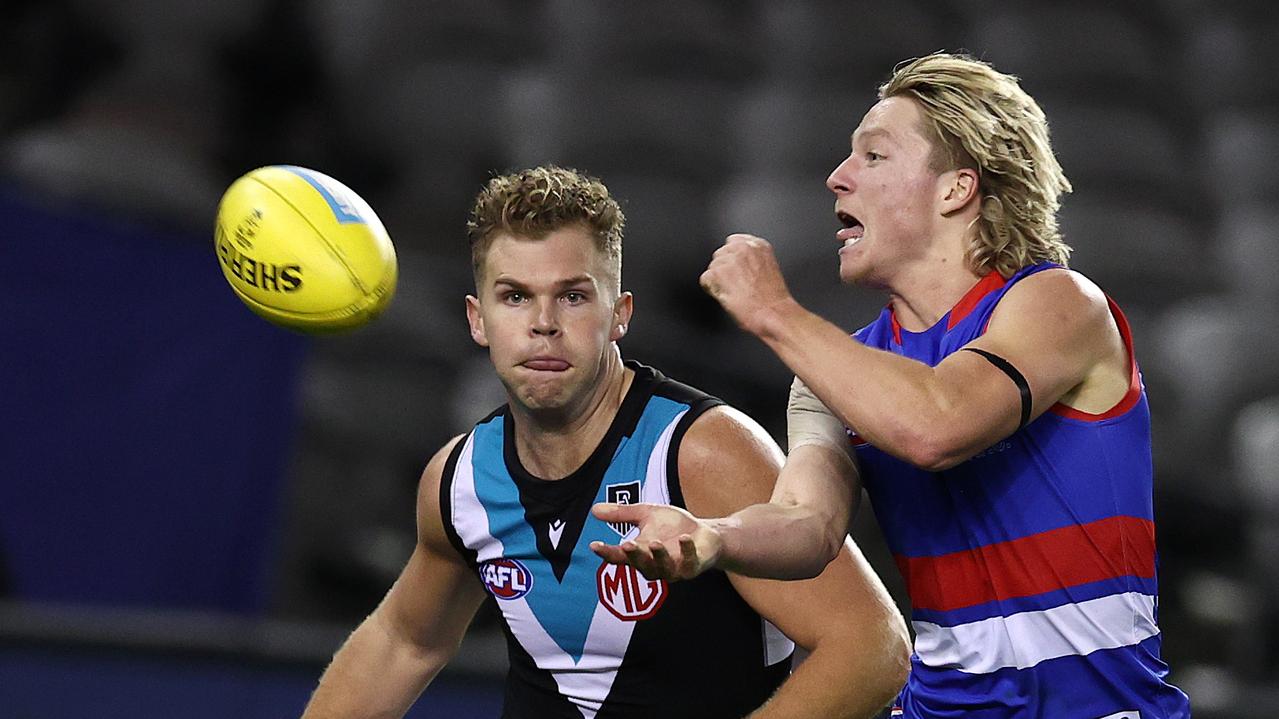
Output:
(808, 421)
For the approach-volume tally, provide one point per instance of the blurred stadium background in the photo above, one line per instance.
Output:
(196, 507)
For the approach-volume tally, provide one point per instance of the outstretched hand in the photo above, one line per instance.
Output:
(672, 544)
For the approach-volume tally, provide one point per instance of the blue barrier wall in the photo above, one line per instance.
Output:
(47, 684)
(145, 417)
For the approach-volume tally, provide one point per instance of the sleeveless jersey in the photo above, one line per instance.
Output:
(1031, 566)
(590, 639)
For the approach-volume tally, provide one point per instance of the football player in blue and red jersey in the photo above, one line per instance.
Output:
(994, 410)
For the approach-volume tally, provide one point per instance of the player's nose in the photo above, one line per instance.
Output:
(545, 319)
(840, 179)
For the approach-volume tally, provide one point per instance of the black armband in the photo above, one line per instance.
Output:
(1017, 378)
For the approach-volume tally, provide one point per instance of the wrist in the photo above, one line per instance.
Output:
(718, 535)
(773, 321)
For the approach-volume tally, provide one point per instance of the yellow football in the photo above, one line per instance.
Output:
(304, 251)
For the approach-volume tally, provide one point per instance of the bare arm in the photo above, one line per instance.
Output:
(1054, 327)
(859, 649)
(802, 526)
(792, 536)
(815, 498)
(391, 657)
(857, 640)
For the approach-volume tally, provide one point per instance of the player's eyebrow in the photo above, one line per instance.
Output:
(578, 280)
(868, 133)
(565, 283)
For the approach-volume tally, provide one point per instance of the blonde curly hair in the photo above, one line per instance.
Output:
(982, 119)
(535, 202)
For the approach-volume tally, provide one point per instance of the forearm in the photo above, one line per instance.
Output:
(770, 541)
(893, 402)
(802, 528)
(374, 675)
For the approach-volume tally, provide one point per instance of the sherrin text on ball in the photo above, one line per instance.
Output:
(304, 251)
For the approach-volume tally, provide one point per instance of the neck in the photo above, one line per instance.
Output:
(924, 292)
(552, 445)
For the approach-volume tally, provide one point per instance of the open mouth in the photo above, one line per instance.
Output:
(852, 229)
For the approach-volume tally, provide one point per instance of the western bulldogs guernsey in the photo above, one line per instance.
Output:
(1031, 566)
(590, 639)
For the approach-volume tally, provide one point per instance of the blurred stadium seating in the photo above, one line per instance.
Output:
(140, 493)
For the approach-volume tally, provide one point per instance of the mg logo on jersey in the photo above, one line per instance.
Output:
(506, 578)
(626, 493)
(627, 593)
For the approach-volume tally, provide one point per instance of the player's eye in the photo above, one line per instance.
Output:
(513, 298)
(575, 297)
(874, 156)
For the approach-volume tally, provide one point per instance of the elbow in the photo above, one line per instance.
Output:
(812, 563)
(887, 686)
(825, 551)
(832, 545)
(932, 449)
(931, 459)
(831, 533)
(897, 652)
(878, 668)
(809, 539)
(822, 551)
(896, 667)
(893, 668)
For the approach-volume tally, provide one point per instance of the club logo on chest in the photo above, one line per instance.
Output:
(625, 493)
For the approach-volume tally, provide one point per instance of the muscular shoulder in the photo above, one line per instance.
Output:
(1057, 328)
(1059, 298)
(726, 462)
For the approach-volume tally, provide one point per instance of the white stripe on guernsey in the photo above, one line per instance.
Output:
(471, 523)
(777, 646)
(608, 637)
(1123, 715)
(587, 682)
(606, 640)
(1026, 639)
(656, 489)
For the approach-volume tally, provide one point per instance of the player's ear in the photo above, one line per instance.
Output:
(958, 188)
(622, 309)
(476, 321)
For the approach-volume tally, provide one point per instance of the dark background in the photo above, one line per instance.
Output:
(195, 506)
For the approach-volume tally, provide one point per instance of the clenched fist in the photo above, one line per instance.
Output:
(746, 280)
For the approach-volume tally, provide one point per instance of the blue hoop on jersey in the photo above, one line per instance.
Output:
(1031, 567)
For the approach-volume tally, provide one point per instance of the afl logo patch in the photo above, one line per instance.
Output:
(506, 578)
(627, 593)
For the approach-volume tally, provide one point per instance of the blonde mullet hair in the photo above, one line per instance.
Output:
(981, 119)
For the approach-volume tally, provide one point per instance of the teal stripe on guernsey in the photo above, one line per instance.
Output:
(564, 609)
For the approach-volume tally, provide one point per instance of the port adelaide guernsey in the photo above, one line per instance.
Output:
(590, 639)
